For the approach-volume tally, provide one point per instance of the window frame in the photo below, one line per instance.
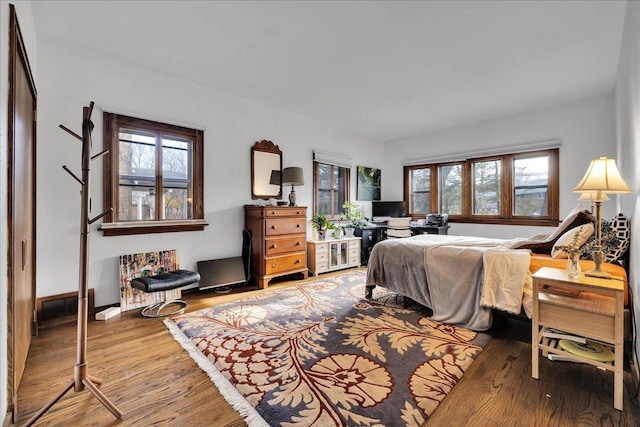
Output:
(316, 190)
(507, 188)
(112, 123)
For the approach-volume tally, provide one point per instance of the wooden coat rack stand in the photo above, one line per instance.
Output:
(81, 377)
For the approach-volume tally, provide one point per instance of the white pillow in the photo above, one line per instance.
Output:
(585, 230)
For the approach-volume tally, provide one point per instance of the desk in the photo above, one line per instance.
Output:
(429, 229)
(378, 232)
(595, 314)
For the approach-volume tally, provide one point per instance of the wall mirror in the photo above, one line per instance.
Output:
(266, 168)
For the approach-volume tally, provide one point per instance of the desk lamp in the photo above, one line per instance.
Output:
(292, 176)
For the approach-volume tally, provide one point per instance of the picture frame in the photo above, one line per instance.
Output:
(369, 183)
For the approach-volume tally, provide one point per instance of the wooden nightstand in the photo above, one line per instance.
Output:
(596, 314)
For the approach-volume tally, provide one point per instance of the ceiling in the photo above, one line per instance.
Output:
(381, 70)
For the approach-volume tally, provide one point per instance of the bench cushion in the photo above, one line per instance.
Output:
(165, 281)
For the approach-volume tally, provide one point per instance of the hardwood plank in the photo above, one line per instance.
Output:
(153, 381)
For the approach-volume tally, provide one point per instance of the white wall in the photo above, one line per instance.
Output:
(586, 130)
(628, 138)
(25, 19)
(232, 125)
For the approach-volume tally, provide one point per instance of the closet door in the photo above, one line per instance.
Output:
(21, 212)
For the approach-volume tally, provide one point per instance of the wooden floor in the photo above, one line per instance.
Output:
(153, 381)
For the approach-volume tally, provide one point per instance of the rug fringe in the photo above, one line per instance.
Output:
(227, 390)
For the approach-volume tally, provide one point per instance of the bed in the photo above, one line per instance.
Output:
(463, 279)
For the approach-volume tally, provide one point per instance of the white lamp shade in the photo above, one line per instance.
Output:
(592, 196)
(293, 176)
(602, 177)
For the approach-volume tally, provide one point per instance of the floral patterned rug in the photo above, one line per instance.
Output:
(320, 354)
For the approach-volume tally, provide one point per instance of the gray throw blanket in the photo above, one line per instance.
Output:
(441, 272)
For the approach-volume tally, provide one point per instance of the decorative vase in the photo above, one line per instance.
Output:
(573, 266)
(349, 231)
(337, 233)
(321, 234)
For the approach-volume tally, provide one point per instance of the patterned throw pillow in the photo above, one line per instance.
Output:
(615, 238)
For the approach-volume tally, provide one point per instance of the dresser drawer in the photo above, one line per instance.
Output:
(279, 226)
(284, 212)
(276, 246)
(285, 263)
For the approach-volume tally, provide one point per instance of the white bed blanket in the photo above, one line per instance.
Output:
(507, 281)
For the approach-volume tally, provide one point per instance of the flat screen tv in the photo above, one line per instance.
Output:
(221, 272)
(388, 209)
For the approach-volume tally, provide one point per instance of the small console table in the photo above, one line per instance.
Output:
(333, 254)
(595, 311)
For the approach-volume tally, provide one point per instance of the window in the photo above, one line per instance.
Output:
(330, 188)
(420, 191)
(520, 188)
(486, 187)
(152, 176)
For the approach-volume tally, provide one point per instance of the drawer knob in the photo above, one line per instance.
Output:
(274, 246)
(298, 261)
(298, 243)
(273, 227)
(273, 266)
(298, 225)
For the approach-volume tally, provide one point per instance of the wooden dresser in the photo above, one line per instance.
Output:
(278, 240)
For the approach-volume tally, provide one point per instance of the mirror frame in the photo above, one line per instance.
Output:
(268, 147)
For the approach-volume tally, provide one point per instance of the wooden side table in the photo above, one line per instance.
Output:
(596, 314)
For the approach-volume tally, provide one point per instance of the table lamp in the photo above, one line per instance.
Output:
(292, 176)
(601, 178)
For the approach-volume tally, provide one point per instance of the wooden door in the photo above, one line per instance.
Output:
(21, 212)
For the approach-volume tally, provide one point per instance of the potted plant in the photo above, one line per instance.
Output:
(354, 217)
(321, 224)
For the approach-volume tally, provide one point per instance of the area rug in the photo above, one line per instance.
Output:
(320, 354)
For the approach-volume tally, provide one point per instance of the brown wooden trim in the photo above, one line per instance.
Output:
(152, 227)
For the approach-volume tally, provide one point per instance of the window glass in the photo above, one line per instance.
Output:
(137, 169)
(486, 187)
(331, 188)
(531, 186)
(451, 189)
(176, 178)
(420, 183)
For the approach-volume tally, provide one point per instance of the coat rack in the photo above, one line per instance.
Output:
(81, 377)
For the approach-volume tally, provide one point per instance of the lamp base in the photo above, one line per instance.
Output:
(292, 197)
(596, 272)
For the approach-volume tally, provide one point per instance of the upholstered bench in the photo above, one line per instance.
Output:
(165, 282)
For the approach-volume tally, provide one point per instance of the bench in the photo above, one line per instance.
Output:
(165, 282)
